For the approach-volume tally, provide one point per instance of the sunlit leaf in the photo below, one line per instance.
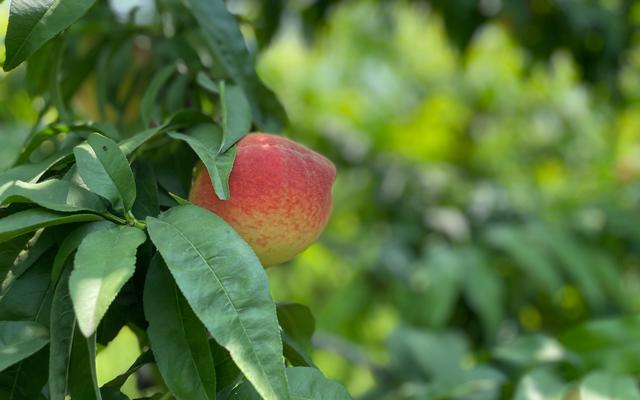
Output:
(103, 263)
(227, 288)
(32, 24)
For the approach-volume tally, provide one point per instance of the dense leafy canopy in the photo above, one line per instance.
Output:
(484, 242)
(95, 236)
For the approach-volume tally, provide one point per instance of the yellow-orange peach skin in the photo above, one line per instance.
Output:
(280, 196)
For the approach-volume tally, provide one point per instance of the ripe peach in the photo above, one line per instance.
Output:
(280, 195)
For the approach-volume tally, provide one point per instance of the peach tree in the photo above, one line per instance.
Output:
(96, 232)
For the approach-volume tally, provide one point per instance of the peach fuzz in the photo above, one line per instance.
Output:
(280, 196)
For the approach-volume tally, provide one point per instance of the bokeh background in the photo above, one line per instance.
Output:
(485, 240)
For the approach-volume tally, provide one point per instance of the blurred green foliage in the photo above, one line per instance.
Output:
(485, 231)
(485, 241)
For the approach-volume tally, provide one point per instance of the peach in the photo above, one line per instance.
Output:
(280, 196)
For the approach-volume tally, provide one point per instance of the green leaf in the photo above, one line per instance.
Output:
(173, 165)
(218, 165)
(227, 372)
(29, 299)
(438, 282)
(129, 145)
(603, 385)
(32, 24)
(178, 339)
(33, 172)
(203, 80)
(297, 325)
(30, 220)
(62, 330)
(71, 243)
(25, 380)
(150, 95)
(52, 131)
(541, 383)
(297, 320)
(526, 351)
(105, 170)
(446, 353)
(83, 383)
(9, 251)
(35, 140)
(54, 194)
(228, 47)
(295, 353)
(39, 70)
(104, 262)
(35, 248)
(179, 200)
(20, 339)
(236, 115)
(147, 202)
(181, 119)
(304, 384)
(117, 382)
(29, 296)
(55, 93)
(178, 92)
(484, 290)
(613, 344)
(575, 259)
(530, 260)
(227, 288)
(112, 394)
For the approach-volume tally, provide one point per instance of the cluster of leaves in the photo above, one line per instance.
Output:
(95, 233)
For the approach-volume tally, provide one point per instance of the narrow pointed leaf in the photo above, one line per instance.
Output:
(33, 172)
(147, 202)
(236, 114)
(104, 262)
(54, 194)
(83, 383)
(29, 299)
(62, 330)
(117, 382)
(297, 321)
(178, 339)
(295, 353)
(110, 393)
(105, 170)
(227, 288)
(180, 119)
(297, 325)
(227, 372)
(484, 290)
(203, 80)
(33, 251)
(20, 339)
(149, 98)
(218, 165)
(129, 145)
(9, 251)
(30, 220)
(33, 23)
(223, 36)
